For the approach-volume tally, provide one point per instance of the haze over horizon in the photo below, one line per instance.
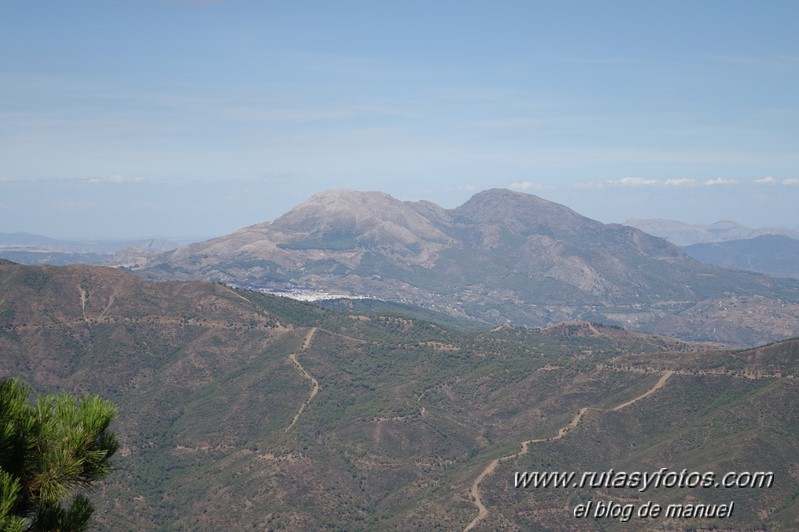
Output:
(196, 118)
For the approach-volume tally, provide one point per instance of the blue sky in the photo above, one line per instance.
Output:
(194, 118)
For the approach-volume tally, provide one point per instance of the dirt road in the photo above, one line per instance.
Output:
(482, 511)
(315, 388)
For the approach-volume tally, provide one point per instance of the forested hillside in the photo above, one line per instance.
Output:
(238, 409)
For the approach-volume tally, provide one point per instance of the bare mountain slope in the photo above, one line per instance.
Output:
(502, 257)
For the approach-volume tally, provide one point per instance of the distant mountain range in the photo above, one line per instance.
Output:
(501, 257)
(686, 234)
(773, 251)
(26, 239)
(28, 248)
(239, 410)
(776, 255)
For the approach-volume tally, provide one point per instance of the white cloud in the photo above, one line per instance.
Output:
(526, 185)
(114, 179)
(634, 182)
(769, 180)
(645, 182)
(681, 182)
(719, 181)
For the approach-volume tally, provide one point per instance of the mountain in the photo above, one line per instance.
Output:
(21, 238)
(501, 257)
(243, 410)
(685, 234)
(28, 248)
(775, 255)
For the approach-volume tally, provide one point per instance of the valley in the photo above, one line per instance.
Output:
(243, 408)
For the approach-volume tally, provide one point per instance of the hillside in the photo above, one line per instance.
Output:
(502, 257)
(775, 255)
(239, 409)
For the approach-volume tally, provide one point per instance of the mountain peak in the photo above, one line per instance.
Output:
(519, 211)
(345, 197)
(336, 207)
(501, 256)
(358, 220)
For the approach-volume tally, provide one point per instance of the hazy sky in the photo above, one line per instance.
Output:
(181, 118)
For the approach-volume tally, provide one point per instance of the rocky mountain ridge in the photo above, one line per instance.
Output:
(501, 257)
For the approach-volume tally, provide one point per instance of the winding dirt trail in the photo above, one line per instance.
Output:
(237, 294)
(482, 511)
(308, 338)
(314, 382)
(658, 385)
